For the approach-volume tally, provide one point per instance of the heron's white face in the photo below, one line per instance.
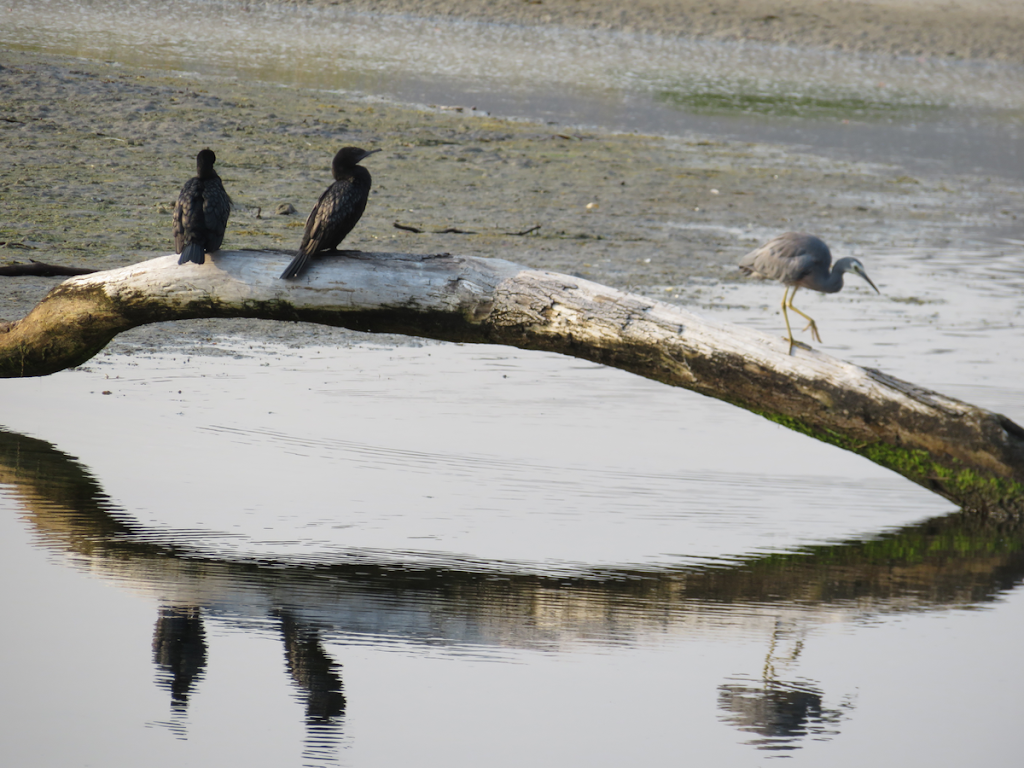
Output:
(858, 269)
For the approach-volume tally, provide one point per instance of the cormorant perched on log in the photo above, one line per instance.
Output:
(201, 213)
(338, 209)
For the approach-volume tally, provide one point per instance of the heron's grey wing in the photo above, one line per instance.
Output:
(768, 261)
(788, 258)
(808, 260)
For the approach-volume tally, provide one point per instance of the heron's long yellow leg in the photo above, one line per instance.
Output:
(810, 321)
(785, 316)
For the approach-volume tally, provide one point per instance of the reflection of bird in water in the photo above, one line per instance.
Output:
(338, 209)
(800, 261)
(201, 213)
(779, 712)
(179, 651)
(319, 679)
(312, 670)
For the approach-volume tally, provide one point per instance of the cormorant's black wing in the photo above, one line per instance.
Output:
(216, 210)
(188, 214)
(335, 214)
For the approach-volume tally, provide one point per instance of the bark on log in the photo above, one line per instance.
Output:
(966, 454)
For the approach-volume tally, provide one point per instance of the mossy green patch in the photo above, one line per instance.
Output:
(790, 100)
(958, 536)
(966, 486)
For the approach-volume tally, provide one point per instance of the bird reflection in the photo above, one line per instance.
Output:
(780, 712)
(312, 670)
(319, 678)
(179, 651)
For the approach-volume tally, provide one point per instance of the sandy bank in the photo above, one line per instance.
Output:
(963, 29)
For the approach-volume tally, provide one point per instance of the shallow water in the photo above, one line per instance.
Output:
(454, 543)
(455, 555)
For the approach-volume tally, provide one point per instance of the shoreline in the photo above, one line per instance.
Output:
(954, 29)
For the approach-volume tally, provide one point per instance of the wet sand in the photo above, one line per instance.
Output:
(100, 150)
(962, 29)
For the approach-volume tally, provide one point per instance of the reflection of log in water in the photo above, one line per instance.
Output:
(956, 560)
(952, 561)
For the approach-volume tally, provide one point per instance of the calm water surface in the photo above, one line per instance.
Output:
(500, 556)
(443, 555)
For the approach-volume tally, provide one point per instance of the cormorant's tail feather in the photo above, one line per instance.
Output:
(192, 252)
(297, 265)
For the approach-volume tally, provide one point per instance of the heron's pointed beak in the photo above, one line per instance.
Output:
(864, 275)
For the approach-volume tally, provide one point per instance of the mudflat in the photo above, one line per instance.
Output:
(963, 29)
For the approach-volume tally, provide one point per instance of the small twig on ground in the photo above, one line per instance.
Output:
(38, 269)
(524, 232)
(457, 231)
(446, 231)
(407, 228)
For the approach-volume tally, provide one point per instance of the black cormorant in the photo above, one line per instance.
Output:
(338, 209)
(202, 211)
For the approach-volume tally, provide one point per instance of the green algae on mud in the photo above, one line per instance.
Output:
(781, 101)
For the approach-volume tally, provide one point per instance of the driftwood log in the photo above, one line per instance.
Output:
(968, 455)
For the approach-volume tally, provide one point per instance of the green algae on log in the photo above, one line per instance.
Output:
(966, 454)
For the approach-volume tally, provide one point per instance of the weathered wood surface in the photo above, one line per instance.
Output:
(969, 455)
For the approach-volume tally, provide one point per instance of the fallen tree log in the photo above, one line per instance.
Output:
(968, 455)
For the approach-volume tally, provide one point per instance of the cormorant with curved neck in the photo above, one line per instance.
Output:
(201, 213)
(337, 211)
